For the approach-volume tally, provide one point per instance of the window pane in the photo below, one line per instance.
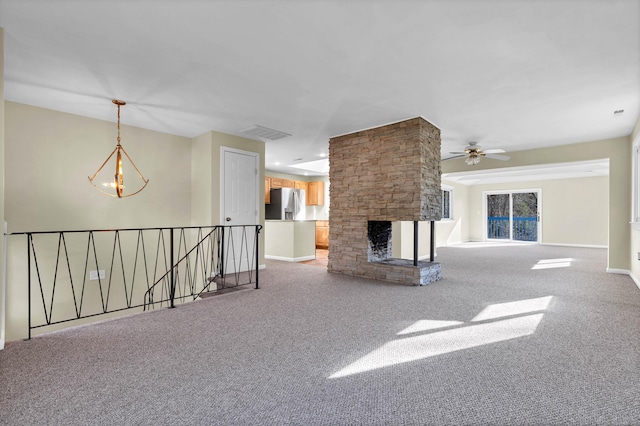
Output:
(525, 216)
(498, 216)
(446, 204)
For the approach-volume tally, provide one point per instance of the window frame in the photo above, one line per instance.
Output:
(635, 184)
(450, 190)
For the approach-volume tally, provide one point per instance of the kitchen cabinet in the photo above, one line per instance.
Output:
(315, 194)
(322, 234)
(267, 190)
(301, 185)
(281, 183)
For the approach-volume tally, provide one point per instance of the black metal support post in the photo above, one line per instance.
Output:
(415, 243)
(29, 280)
(432, 247)
(257, 254)
(222, 251)
(173, 273)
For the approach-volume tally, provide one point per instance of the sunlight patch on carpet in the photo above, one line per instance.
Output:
(427, 325)
(553, 263)
(522, 322)
(520, 307)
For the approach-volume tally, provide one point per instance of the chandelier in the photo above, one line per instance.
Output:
(115, 187)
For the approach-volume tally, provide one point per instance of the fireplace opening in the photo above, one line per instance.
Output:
(379, 234)
(380, 251)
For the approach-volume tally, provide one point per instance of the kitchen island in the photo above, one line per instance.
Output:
(290, 240)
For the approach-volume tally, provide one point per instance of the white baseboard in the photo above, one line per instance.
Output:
(625, 272)
(574, 245)
(290, 259)
(619, 271)
(635, 280)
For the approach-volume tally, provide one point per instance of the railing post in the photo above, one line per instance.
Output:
(29, 282)
(173, 275)
(257, 254)
(415, 243)
(432, 245)
(222, 251)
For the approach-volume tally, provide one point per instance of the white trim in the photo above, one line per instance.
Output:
(635, 280)
(3, 284)
(290, 259)
(618, 271)
(576, 245)
(635, 182)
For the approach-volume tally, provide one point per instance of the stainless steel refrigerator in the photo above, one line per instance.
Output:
(286, 204)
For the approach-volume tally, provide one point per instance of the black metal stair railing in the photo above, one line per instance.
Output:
(65, 269)
(232, 250)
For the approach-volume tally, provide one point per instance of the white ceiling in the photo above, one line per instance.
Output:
(515, 74)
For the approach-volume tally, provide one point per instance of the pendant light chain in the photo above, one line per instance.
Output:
(118, 124)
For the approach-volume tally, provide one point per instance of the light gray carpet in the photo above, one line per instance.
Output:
(266, 357)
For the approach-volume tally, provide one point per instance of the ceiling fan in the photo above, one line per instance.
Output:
(474, 153)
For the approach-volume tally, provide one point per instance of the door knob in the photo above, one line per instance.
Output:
(228, 219)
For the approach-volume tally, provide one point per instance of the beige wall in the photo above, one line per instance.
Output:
(291, 241)
(574, 211)
(635, 229)
(202, 180)
(50, 154)
(617, 151)
(456, 229)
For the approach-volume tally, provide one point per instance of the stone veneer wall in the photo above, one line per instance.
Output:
(390, 173)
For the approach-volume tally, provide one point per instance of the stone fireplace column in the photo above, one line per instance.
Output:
(387, 174)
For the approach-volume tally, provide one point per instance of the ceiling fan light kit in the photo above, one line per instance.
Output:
(472, 160)
(117, 183)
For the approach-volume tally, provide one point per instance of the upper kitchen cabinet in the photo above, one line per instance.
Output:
(267, 190)
(301, 185)
(281, 183)
(315, 194)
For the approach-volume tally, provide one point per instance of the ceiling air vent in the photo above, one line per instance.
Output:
(264, 133)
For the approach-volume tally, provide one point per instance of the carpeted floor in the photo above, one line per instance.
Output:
(322, 256)
(493, 343)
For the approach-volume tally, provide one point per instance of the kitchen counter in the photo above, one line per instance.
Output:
(290, 240)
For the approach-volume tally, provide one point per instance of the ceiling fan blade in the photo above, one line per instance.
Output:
(498, 157)
(494, 151)
(455, 156)
(458, 152)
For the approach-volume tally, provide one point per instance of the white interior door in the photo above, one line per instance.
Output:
(239, 206)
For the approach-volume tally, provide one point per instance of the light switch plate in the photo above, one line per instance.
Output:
(93, 275)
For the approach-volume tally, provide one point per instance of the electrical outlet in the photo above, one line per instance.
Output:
(93, 275)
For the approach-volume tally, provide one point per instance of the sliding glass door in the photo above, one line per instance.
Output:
(512, 215)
